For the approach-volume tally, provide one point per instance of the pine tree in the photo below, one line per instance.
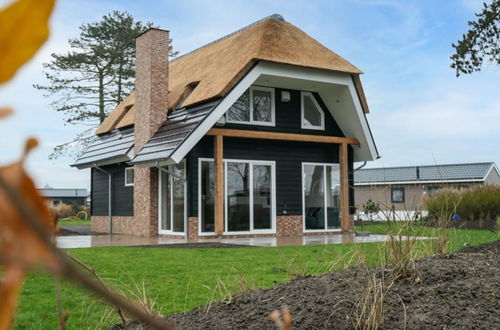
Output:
(98, 72)
(481, 42)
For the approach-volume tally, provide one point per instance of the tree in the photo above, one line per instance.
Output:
(481, 42)
(371, 208)
(95, 75)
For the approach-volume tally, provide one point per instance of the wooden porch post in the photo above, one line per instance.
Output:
(345, 221)
(219, 185)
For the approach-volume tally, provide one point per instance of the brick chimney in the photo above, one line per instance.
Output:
(151, 88)
(151, 84)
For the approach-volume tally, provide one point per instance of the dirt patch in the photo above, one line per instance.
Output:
(195, 245)
(456, 291)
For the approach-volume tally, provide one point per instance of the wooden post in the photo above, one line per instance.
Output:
(219, 185)
(345, 221)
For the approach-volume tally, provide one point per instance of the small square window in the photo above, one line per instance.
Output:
(129, 176)
(312, 115)
(398, 195)
(255, 106)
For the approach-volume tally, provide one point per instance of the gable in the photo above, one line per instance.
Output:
(493, 177)
(335, 89)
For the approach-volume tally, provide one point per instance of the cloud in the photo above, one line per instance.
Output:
(420, 113)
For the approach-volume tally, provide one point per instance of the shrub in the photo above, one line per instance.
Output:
(62, 211)
(474, 204)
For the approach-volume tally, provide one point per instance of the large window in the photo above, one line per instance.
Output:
(312, 115)
(173, 199)
(321, 196)
(249, 196)
(255, 106)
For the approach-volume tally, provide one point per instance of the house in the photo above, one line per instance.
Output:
(402, 188)
(65, 196)
(253, 134)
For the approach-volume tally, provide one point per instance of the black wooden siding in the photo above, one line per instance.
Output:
(122, 196)
(288, 155)
(288, 118)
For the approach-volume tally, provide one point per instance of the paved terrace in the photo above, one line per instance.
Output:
(85, 241)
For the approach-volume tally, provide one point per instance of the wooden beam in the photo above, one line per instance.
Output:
(219, 185)
(239, 133)
(345, 220)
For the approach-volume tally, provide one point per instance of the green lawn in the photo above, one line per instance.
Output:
(74, 222)
(180, 279)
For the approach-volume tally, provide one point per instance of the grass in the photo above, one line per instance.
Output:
(74, 222)
(180, 279)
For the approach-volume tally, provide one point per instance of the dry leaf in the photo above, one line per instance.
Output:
(23, 30)
(5, 112)
(283, 319)
(20, 247)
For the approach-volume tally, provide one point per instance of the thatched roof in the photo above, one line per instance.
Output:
(218, 66)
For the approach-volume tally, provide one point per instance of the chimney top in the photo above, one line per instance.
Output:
(149, 29)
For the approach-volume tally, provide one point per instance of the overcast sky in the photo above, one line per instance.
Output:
(420, 112)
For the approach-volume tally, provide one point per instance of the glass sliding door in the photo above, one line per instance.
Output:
(262, 196)
(332, 197)
(237, 196)
(314, 197)
(165, 205)
(249, 204)
(207, 196)
(321, 196)
(173, 199)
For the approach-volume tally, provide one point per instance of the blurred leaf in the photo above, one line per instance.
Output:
(23, 30)
(5, 112)
(20, 246)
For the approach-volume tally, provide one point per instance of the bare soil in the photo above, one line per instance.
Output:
(454, 291)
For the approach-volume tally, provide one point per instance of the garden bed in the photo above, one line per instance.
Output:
(455, 291)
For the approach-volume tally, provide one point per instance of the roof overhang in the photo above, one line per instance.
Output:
(388, 183)
(103, 162)
(335, 88)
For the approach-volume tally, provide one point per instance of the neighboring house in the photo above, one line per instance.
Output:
(253, 134)
(403, 188)
(65, 196)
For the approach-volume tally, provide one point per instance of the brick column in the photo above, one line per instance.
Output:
(151, 87)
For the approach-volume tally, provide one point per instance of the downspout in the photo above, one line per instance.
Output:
(360, 167)
(110, 215)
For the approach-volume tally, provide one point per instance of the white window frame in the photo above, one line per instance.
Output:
(325, 165)
(160, 200)
(128, 184)
(252, 231)
(252, 121)
(303, 124)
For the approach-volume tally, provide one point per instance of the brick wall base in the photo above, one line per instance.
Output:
(121, 225)
(289, 225)
(286, 225)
